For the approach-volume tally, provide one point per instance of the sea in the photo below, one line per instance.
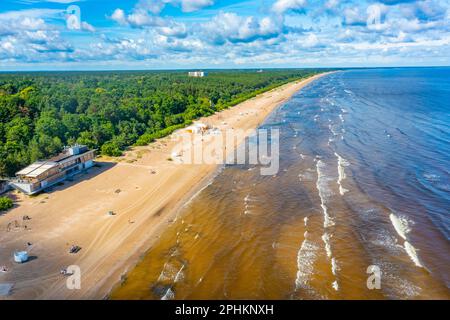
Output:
(359, 208)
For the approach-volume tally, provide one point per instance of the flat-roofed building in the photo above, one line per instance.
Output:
(197, 74)
(43, 174)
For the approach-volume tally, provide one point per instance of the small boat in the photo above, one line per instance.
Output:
(20, 256)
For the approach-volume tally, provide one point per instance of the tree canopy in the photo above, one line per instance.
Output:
(43, 111)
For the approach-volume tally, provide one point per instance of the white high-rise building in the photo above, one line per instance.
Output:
(197, 74)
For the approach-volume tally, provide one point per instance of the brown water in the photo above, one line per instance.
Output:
(309, 232)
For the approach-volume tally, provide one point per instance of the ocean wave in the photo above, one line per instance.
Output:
(180, 275)
(169, 295)
(306, 257)
(398, 287)
(334, 266)
(432, 177)
(386, 240)
(168, 273)
(401, 225)
(333, 131)
(306, 176)
(335, 285)
(324, 192)
(326, 240)
(411, 251)
(342, 163)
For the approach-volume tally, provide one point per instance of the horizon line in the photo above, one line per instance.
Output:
(220, 69)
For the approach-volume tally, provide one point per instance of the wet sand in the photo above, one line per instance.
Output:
(143, 188)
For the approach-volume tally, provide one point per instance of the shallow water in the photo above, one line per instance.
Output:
(363, 181)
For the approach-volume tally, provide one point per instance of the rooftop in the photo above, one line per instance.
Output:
(37, 168)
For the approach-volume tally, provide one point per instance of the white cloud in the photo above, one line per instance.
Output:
(194, 5)
(156, 6)
(331, 31)
(86, 26)
(281, 6)
(174, 29)
(311, 41)
(54, 1)
(31, 14)
(229, 27)
(354, 17)
(143, 19)
(119, 16)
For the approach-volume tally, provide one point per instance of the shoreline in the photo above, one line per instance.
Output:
(145, 189)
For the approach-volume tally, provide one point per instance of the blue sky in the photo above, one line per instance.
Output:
(173, 34)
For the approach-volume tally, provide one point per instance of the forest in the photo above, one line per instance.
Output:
(41, 112)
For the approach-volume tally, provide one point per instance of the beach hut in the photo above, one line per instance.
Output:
(20, 256)
(197, 127)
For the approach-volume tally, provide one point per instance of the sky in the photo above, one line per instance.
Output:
(210, 34)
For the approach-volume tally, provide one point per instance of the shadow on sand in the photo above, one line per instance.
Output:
(96, 170)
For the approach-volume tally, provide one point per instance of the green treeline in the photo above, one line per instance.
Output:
(42, 112)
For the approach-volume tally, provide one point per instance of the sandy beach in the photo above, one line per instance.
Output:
(143, 188)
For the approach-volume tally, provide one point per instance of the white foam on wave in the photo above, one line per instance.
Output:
(248, 199)
(326, 239)
(342, 163)
(333, 131)
(334, 266)
(166, 273)
(306, 176)
(432, 177)
(180, 274)
(401, 225)
(306, 257)
(335, 285)
(169, 295)
(324, 193)
(411, 251)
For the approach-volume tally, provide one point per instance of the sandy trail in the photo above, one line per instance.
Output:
(143, 188)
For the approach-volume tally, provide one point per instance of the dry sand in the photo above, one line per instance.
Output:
(143, 188)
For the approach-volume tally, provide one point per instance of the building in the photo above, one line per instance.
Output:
(4, 186)
(197, 74)
(43, 174)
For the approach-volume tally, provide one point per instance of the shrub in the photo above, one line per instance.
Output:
(111, 148)
(5, 203)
